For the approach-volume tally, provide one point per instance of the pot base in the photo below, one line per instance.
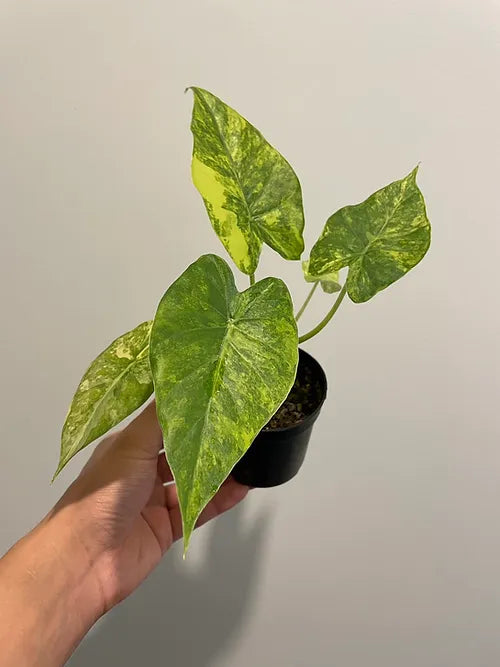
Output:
(276, 455)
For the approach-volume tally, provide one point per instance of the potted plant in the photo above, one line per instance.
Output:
(225, 366)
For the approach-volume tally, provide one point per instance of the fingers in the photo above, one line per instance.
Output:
(172, 504)
(143, 435)
(171, 499)
(176, 524)
(229, 495)
(164, 472)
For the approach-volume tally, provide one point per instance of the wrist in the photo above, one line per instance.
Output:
(50, 598)
(67, 557)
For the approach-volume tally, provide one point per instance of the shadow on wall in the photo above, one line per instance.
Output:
(183, 618)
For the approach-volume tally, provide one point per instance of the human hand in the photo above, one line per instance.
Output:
(105, 535)
(122, 514)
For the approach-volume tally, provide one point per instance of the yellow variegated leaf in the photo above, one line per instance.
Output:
(251, 193)
(222, 362)
(380, 239)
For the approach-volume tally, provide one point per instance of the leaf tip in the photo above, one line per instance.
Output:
(59, 468)
(413, 173)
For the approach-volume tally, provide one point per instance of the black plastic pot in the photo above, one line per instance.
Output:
(276, 455)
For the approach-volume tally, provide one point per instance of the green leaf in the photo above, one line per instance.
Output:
(116, 384)
(379, 240)
(329, 281)
(222, 362)
(251, 193)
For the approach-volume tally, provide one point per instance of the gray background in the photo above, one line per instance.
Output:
(385, 551)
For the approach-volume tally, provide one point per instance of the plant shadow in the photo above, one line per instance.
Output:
(180, 617)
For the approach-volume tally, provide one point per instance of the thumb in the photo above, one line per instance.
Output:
(142, 437)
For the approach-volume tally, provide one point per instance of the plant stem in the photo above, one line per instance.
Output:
(306, 302)
(326, 319)
(252, 279)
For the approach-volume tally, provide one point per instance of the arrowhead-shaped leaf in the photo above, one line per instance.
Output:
(251, 193)
(379, 240)
(116, 383)
(222, 362)
(329, 281)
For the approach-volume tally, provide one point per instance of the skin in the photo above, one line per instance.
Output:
(102, 539)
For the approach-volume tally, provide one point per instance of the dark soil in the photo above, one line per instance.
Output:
(302, 401)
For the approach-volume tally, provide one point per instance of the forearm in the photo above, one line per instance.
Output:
(48, 598)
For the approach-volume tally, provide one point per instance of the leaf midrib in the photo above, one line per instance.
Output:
(360, 256)
(380, 232)
(215, 374)
(226, 343)
(231, 161)
(389, 217)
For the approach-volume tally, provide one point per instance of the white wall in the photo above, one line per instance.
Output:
(385, 550)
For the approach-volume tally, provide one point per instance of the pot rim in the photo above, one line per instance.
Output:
(309, 419)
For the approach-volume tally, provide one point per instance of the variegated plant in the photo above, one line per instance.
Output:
(220, 361)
